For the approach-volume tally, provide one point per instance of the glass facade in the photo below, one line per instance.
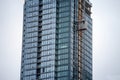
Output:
(51, 42)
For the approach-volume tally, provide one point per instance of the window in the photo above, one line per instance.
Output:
(62, 68)
(65, 24)
(32, 3)
(48, 69)
(32, 24)
(61, 30)
(63, 9)
(61, 62)
(31, 19)
(63, 4)
(48, 63)
(30, 50)
(48, 1)
(27, 30)
(63, 78)
(50, 36)
(63, 19)
(47, 16)
(64, 14)
(61, 51)
(32, 55)
(30, 72)
(48, 11)
(48, 58)
(47, 47)
(34, 39)
(32, 9)
(65, 45)
(50, 31)
(29, 45)
(51, 5)
(62, 56)
(65, 73)
(29, 61)
(46, 42)
(30, 66)
(47, 75)
(63, 40)
(33, 34)
(32, 77)
(63, 35)
(48, 21)
(49, 52)
(48, 26)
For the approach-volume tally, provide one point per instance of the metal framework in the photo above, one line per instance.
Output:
(84, 7)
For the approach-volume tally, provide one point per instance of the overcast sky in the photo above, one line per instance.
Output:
(106, 39)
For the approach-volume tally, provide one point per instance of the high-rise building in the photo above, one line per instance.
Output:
(57, 40)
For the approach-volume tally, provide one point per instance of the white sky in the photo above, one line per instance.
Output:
(106, 39)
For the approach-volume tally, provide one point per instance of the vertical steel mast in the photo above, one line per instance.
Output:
(84, 7)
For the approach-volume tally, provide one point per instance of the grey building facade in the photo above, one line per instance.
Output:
(53, 47)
